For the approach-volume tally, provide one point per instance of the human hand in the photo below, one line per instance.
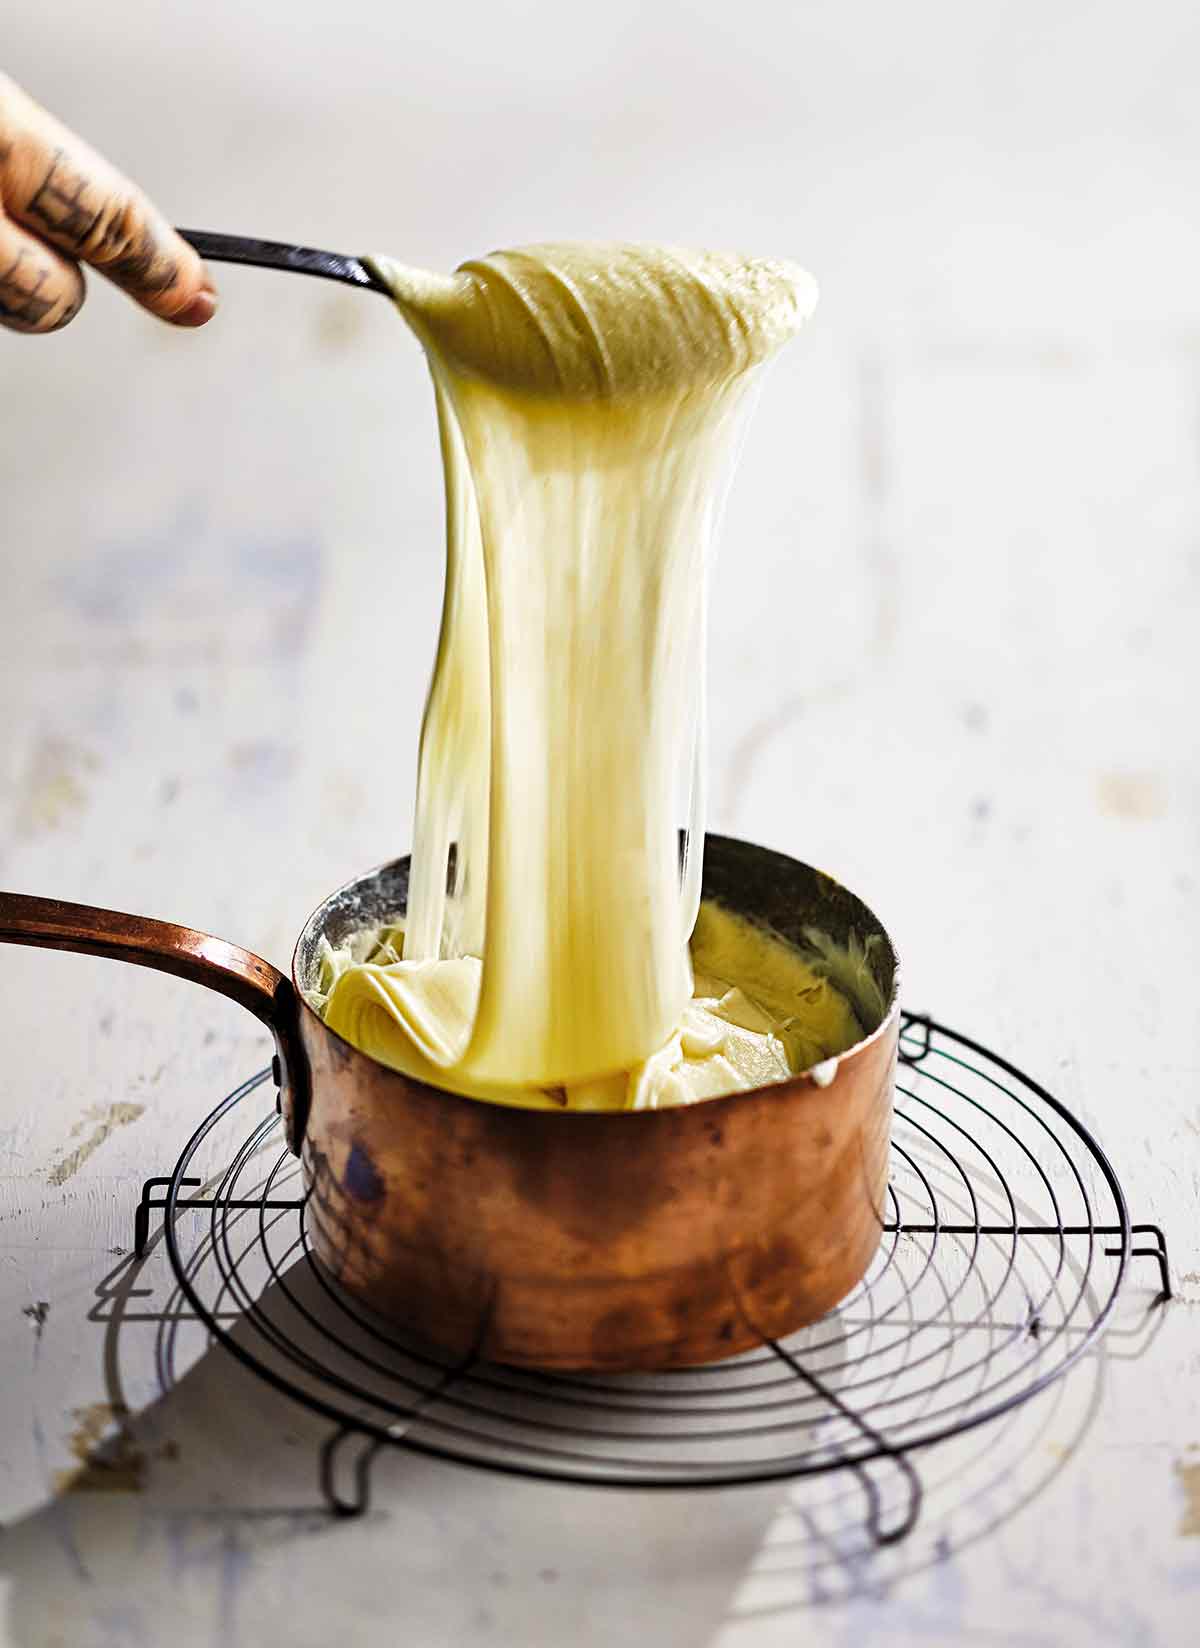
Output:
(62, 205)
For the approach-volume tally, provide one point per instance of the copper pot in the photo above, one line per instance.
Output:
(560, 1239)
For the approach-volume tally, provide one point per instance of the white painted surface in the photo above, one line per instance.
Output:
(954, 661)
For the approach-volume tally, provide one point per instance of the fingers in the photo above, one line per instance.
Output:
(55, 187)
(40, 291)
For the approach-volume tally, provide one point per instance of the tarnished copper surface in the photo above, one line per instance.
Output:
(561, 1239)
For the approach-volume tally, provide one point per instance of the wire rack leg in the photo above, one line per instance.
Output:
(339, 1503)
(879, 1533)
(149, 1201)
(1158, 1252)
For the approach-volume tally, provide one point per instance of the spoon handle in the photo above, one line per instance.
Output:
(277, 254)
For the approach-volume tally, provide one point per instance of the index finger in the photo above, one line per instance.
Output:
(66, 194)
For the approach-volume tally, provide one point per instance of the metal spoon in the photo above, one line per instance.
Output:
(276, 254)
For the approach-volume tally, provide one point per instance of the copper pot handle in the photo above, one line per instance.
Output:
(52, 924)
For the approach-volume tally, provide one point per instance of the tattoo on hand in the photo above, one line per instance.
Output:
(64, 206)
(58, 205)
(19, 297)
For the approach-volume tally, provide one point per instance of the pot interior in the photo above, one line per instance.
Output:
(794, 900)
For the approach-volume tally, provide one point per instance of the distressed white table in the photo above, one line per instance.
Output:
(954, 661)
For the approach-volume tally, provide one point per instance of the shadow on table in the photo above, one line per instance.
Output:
(196, 1513)
(816, 1550)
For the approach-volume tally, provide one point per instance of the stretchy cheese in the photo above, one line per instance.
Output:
(589, 402)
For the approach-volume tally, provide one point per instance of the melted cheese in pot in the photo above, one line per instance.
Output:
(759, 1011)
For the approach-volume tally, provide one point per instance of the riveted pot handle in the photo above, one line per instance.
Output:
(52, 924)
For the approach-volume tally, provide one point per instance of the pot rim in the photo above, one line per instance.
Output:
(802, 1079)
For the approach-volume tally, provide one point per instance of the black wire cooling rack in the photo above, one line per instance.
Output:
(1006, 1242)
